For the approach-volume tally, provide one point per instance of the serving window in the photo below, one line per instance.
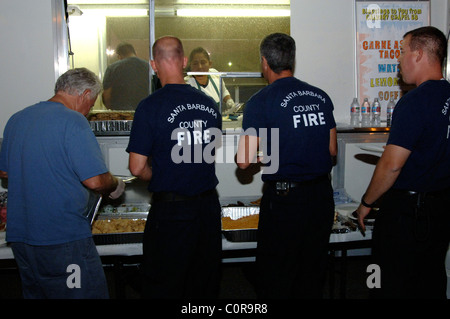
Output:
(230, 31)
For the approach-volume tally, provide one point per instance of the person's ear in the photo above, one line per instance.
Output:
(419, 54)
(264, 63)
(153, 65)
(86, 95)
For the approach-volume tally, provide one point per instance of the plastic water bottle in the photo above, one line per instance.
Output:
(365, 113)
(389, 111)
(354, 113)
(376, 113)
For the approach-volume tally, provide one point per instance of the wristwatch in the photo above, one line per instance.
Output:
(365, 204)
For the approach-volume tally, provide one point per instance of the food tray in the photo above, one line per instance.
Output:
(239, 211)
(240, 235)
(133, 211)
(125, 209)
(113, 127)
(118, 238)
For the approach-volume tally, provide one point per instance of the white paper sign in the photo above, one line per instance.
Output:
(380, 27)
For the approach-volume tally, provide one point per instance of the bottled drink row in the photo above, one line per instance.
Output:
(366, 115)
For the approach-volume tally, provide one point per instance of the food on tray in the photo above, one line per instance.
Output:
(118, 225)
(111, 116)
(256, 202)
(247, 222)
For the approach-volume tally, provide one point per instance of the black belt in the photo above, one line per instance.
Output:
(174, 197)
(283, 187)
(434, 194)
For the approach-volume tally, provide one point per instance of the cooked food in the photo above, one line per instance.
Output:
(247, 222)
(118, 225)
(111, 116)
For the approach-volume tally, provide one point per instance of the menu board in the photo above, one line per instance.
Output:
(380, 27)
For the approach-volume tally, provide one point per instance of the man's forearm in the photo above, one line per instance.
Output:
(386, 172)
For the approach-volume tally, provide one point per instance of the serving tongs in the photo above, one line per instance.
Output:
(348, 222)
(127, 179)
(93, 206)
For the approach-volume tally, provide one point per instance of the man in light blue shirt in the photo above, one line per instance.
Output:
(52, 161)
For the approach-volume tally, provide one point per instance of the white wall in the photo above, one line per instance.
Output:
(27, 59)
(324, 32)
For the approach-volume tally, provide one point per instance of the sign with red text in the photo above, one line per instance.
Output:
(380, 27)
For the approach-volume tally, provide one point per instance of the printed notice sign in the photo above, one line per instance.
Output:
(380, 27)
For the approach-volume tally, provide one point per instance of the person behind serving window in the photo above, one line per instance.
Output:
(52, 160)
(199, 61)
(411, 181)
(126, 81)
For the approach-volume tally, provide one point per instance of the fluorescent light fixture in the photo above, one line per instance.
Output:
(240, 2)
(200, 12)
(206, 73)
(117, 12)
(109, 2)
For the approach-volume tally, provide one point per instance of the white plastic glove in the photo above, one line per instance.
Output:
(230, 104)
(119, 189)
(230, 107)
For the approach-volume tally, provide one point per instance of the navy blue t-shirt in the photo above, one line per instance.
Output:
(178, 127)
(421, 124)
(303, 116)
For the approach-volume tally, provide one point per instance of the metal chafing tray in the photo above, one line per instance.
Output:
(235, 213)
(131, 211)
(113, 127)
(109, 122)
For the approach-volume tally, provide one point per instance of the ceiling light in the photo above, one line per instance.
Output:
(117, 12)
(233, 12)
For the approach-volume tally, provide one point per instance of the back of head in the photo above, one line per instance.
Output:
(76, 81)
(279, 51)
(167, 48)
(431, 40)
(125, 50)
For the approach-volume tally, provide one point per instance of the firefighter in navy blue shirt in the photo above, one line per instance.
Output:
(292, 124)
(171, 145)
(411, 181)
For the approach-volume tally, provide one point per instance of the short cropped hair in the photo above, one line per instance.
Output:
(174, 50)
(430, 39)
(279, 51)
(125, 49)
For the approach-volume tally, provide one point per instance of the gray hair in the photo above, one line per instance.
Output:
(279, 51)
(78, 80)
